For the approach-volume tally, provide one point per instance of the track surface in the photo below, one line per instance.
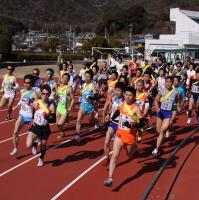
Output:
(75, 171)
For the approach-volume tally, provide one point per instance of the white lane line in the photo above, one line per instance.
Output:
(11, 138)
(32, 158)
(77, 178)
(19, 135)
(7, 121)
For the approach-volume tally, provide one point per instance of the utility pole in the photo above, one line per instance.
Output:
(130, 37)
(69, 43)
(73, 41)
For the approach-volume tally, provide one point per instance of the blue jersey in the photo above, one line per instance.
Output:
(87, 91)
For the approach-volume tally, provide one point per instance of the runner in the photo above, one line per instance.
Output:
(8, 88)
(38, 81)
(143, 103)
(44, 113)
(194, 87)
(113, 126)
(130, 118)
(52, 83)
(164, 104)
(181, 93)
(28, 95)
(65, 103)
(160, 81)
(88, 95)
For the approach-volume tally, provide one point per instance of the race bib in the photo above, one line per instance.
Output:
(62, 100)
(167, 105)
(122, 120)
(140, 104)
(195, 89)
(39, 119)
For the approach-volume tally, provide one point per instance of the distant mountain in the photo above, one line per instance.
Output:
(83, 14)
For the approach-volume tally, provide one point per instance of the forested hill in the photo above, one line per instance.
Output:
(87, 14)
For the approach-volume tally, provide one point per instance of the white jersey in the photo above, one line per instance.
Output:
(161, 83)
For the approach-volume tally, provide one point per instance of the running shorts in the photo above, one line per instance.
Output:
(164, 114)
(42, 132)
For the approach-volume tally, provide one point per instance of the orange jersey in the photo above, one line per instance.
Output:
(127, 134)
(141, 100)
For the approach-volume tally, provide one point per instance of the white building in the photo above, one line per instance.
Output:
(184, 42)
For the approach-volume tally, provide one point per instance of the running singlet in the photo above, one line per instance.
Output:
(115, 106)
(87, 90)
(195, 87)
(127, 115)
(25, 102)
(8, 83)
(53, 90)
(62, 93)
(167, 99)
(111, 87)
(161, 83)
(141, 100)
(41, 114)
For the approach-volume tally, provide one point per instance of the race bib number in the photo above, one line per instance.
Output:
(25, 108)
(39, 119)
(140, 104)
(122, 120)
(195, 89)
(62, 100)
(167, 105)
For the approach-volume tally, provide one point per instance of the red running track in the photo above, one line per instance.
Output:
(74, 171)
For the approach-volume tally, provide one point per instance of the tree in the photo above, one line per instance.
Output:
(98, 41)
(5, 41)
(53, 43)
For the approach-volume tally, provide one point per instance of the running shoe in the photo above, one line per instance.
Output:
(155, 152)
(40, 162)
(34, 151)
(189, 121)
(96, 125)
(14, 152)
(108, 182)
(77, 138)
(167, 134)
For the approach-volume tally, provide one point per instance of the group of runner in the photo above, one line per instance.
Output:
(130, 94)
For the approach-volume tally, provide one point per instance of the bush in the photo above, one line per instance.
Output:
(30, 56)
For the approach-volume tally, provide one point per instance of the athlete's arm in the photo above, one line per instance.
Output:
(72, 99)
(157, 100)
(52, 116)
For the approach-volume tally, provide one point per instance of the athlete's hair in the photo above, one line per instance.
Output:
(50, 70)
(162, 69)
(12, 66)
(147, 72)
(36, 69)
(46, 87)
(30, 77)
(178, 77)
(141, 81)
(126, 67)
(140, 70)
(90, 73)
(96, 67)
(114, 72)
(66, 74)
(131, 89)
(169, 77)
(120, 85)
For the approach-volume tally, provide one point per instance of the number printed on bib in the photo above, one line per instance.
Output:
(62, 100)
(167, 105)
(122, 120)
(195, 89)
(39, 119)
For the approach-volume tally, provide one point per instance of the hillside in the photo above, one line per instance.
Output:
(85, 14)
